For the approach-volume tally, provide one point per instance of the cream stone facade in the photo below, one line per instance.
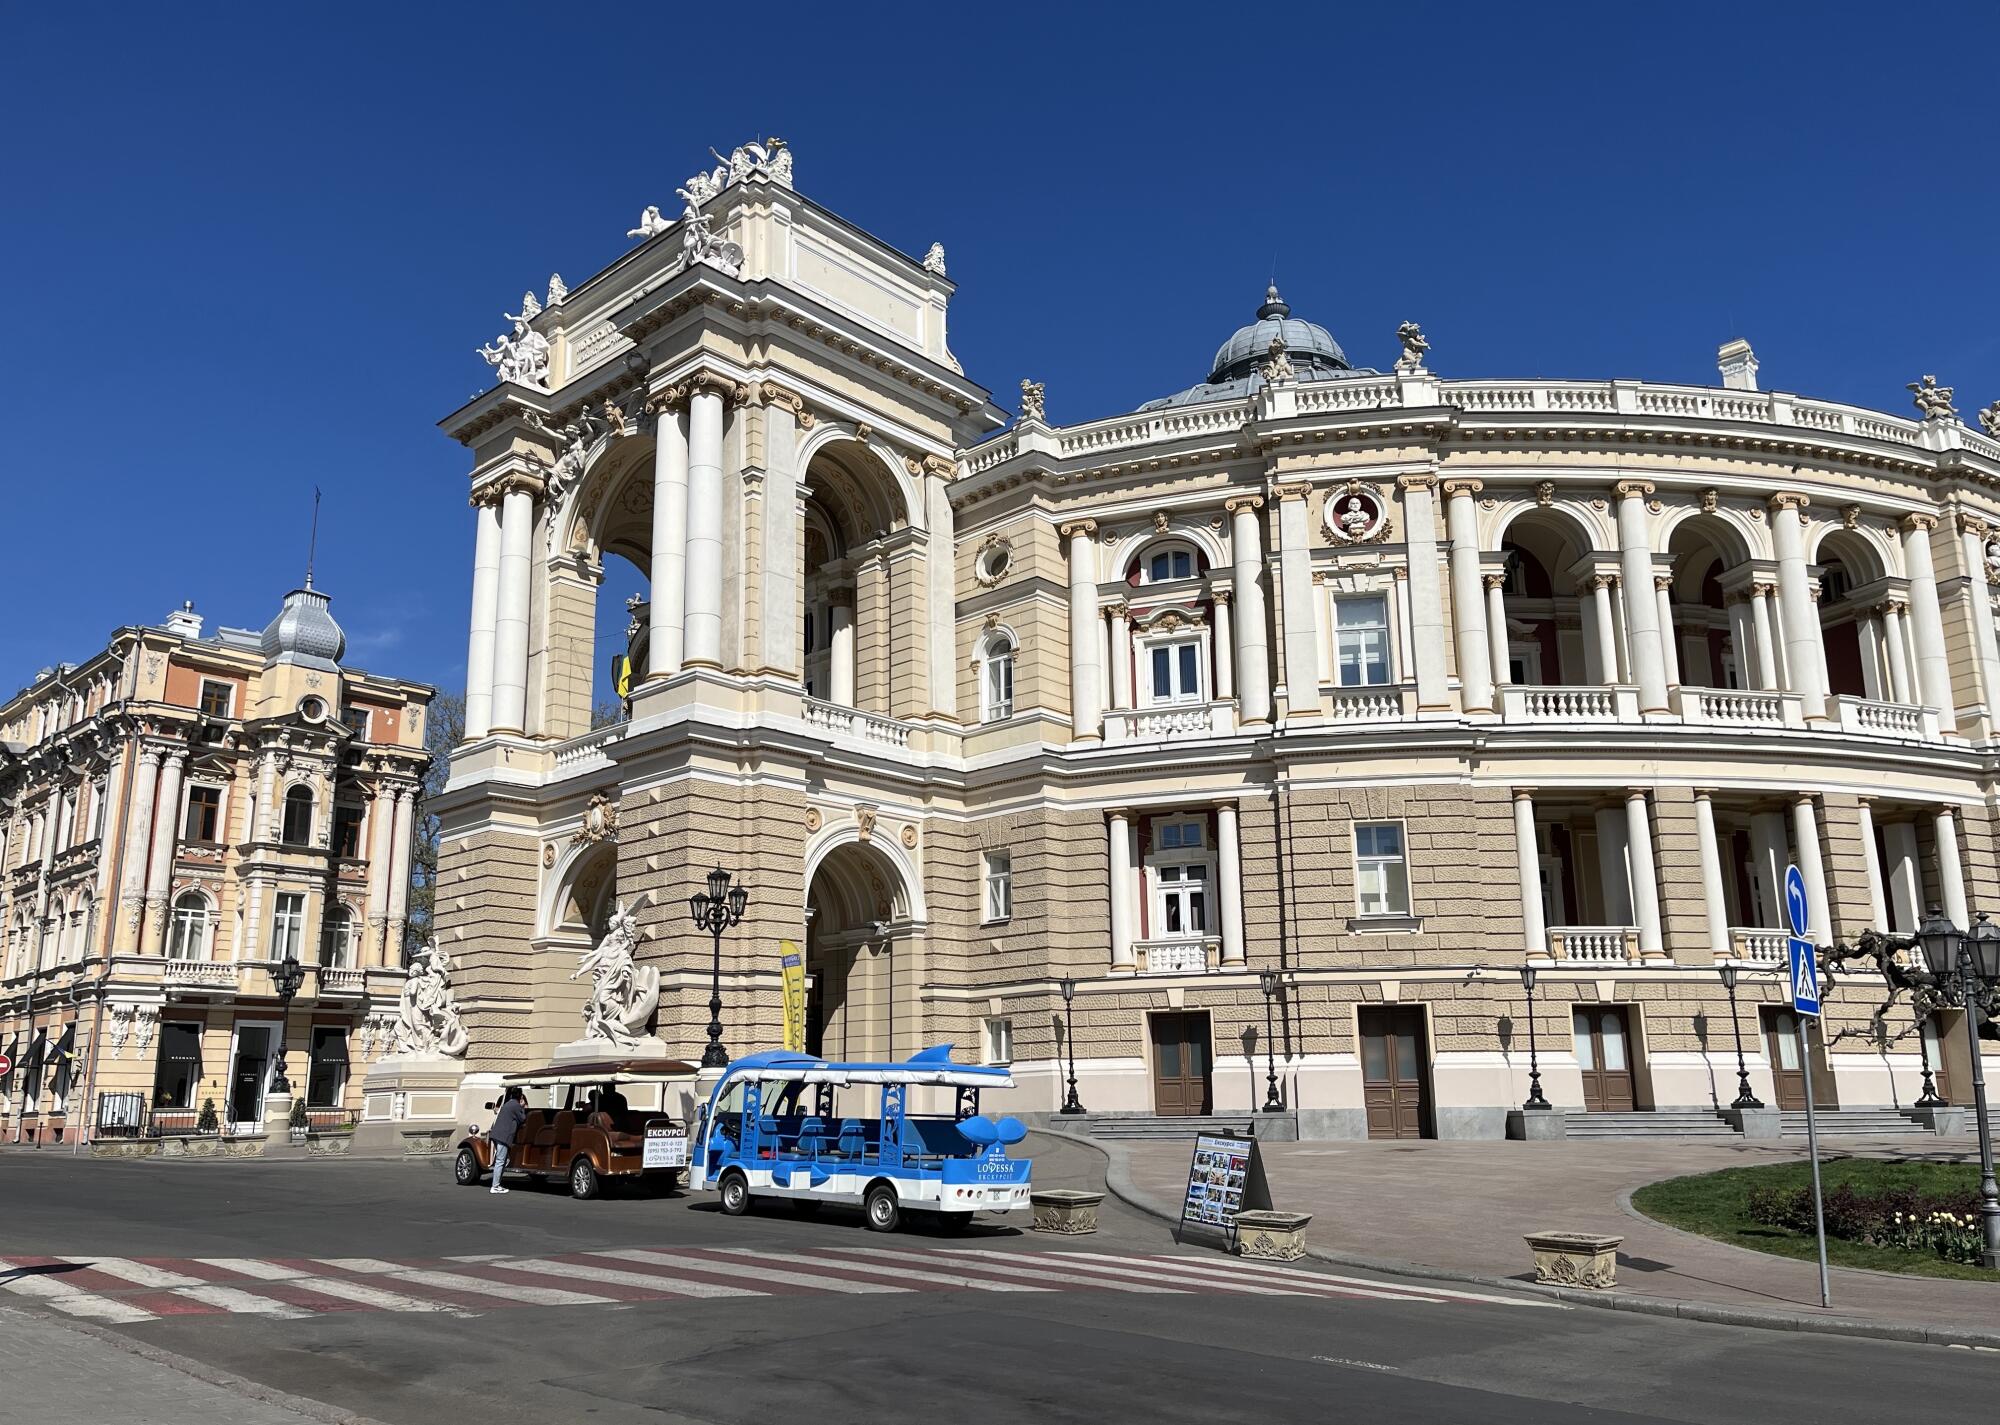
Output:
(1387, 683)
(179, 814)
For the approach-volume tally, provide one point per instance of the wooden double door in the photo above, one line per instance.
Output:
(1603, 1037)
(1181, 1063)
(1395, 1071)
(1788, 1060)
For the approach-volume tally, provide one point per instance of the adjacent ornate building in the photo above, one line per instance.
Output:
(179, 815)
(1359, 689)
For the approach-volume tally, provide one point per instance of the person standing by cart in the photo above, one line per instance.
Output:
(506, 1125)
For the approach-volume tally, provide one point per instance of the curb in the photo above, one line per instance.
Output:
(1118, 1181)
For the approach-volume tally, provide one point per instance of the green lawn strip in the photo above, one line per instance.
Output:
(1717, 1205)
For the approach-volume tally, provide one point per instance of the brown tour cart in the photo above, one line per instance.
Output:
(584, 1133)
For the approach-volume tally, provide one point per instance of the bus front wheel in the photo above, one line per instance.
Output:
(884, 1214)
(735, 1189)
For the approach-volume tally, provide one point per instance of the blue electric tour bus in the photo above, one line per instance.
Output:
(787, 1125)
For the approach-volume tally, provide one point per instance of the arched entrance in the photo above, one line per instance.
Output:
(864, 953)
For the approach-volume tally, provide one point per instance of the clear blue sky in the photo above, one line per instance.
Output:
(251, 249)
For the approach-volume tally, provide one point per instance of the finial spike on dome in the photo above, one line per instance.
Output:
(1274, 305)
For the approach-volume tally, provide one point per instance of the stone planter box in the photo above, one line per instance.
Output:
(1065, 1210)
(1278, 1236)
(329, 1145)
(426, 1143)
(1585, 1259)
(124, 1148)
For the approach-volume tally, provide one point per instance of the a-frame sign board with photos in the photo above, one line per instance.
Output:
(1225, 1177)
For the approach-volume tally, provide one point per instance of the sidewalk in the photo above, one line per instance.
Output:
(60, 1373)
(1460, 1209)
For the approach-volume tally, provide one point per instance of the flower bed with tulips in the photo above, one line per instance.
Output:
(1902, 1217)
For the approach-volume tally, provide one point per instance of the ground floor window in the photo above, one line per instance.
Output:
(178, 1071)
(999, 1041)
(327, 1078)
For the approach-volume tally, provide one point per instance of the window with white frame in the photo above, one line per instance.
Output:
(1381, 873)
(996, 678)
(999, 1041)
(338, 937)
(1181, 876)
(1165, 563)
(999, 886)
(288, 926)
(187, 935)
(1173, 671)
(1361, 640)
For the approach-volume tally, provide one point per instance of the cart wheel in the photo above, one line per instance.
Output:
(884, 1214)
(583, 1180)
(735, 1190)
(466, 1169)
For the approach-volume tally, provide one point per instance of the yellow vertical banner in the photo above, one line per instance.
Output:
(793, 962)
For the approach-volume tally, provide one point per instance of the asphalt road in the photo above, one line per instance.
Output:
(1066, 1354)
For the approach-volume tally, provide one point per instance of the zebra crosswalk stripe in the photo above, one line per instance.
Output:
(1077, 1261)
(721, 1267)
(242, 1303)
(1036, 1272)
(649, 1281)
(902, 1272)
(139, 1273)
(73, 1301)
(481, 1286)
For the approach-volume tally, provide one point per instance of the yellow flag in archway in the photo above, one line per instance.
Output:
(792, 961)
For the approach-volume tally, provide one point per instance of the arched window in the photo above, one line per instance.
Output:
(1165, 563)
(298, 817)
(996, 678)
(337, 938)
(187, 937)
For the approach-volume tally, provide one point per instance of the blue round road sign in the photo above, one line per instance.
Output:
(1795, 901)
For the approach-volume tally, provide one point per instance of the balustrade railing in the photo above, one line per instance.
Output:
(1178, 956)
(341, 980)
(1751, 943)
(1523, 703)
(1735, 707)
(581, 754)
(1594, 944)
(201, 972)
(853, 722)
(1376, 704)
(1884, 719)
(1170, 721)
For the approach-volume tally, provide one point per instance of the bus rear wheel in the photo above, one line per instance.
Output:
(583, 1181)
(466, 1169)
(884, 1213)
(735, 1190)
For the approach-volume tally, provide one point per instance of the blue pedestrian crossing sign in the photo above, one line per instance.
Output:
(1805, 976)
(1796, 907)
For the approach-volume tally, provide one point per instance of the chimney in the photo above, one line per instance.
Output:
(1738, 364)
(185, 621)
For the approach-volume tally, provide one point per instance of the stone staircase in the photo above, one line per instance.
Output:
(1857, 1122)
(1145, 1127)
(1663, 1123)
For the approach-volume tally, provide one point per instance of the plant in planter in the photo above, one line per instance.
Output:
(208, 1121)
(298, 1122)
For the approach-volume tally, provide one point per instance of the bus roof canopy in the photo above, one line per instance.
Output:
(929, 1066)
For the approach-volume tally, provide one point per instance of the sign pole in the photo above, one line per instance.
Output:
(1812, 1147)
(1802, 964)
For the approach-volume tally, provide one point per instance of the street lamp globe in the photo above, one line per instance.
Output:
(1267, 981)
(1984, 942)
(718, 884)
(1728, 973)
(738, 899)
(1528, 977)
(1068, 988)
(1939, 939)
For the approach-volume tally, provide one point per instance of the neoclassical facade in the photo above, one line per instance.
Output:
(179, 814)
(1364, 689)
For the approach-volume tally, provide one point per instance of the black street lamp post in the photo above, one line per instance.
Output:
(1274, 1097)
(1535, 1099)
(1972, 961)
(1744, 1098)
(1930, 1097)
(1071, 1103)
(717, 910)
(286, 977)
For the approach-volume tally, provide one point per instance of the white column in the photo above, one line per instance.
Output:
(668, 575)
(1230, 852)
(1805, 839)
(1225, 655)
(160, 869)
(1645, 875)
(1743, 640)
(1951, 872)
(399, 875)
(1769, 854)
(1796, 610)
(1121, 891)
(1927, 621)
(777, 651)
(1602, 627)
(1770, 656)
(1714, 905)
(1496, 625)
(701, 619)
(942, 570)
(1468, 609)
(1868, 635)
(510, 639)
(1973, 534)
(1899, 655)
(1086, 633)
(1534, 925)
(1427, 635)
(381, 851)
(1643, 630)
(485, 616)
(840, 654)
(1253, 658)
(1613, 875)
(138, 848)
(1302, 670)
(1121, 656)
(1871, 867)
(1670, 643)
(1906, 877)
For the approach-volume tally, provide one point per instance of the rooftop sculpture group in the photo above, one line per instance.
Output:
(522, 358)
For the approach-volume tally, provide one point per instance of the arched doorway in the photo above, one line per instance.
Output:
(864, 953)
(1552, 635)
(859, 583)
(1709, 605)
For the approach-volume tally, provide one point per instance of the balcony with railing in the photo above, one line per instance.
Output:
(1735, 707)
(834, 720)
(200, 974)
(1170, 722)
(1181, 955)
(1531, 703)
(1748, 942)
(588, 752)
(341, 982)
(1594, 944)
(1381, 702)
(1879, 719)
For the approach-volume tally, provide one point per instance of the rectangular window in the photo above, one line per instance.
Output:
(1183, 899)
(999, 1041)
(288, 924)
(1178, 835)
(178, 1069)
(999, 688)
(357, 721)
(346, 830)
(204, 815)
(1381, 876)
(218, 699)
(1361, 632)
(327, 1078)
(1170, 564)
(1176, 672)
(999, 886)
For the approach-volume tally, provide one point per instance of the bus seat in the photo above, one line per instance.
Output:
(564, 1127)
(853, 1138)
(812, 1136)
